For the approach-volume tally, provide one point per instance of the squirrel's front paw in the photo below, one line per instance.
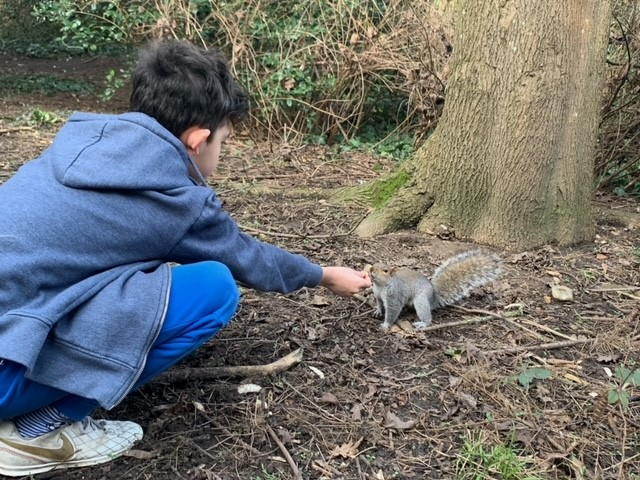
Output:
(385, 326)
(378, 312)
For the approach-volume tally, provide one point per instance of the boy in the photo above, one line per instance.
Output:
(90, 308)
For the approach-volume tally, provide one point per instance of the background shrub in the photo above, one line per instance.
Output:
(325, 70)
(357, 73)
(618, 160)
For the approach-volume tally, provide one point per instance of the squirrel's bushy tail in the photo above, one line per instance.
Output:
(458, 275)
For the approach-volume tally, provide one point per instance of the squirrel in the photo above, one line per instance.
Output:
(452, 281)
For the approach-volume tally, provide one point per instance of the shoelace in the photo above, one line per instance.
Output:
(89, 424)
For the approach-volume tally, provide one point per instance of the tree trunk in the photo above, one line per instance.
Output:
(511, 161)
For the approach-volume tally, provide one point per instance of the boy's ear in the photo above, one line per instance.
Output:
(194, 137)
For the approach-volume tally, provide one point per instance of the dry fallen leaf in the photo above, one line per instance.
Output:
(328, 397)
(312, 333)
(284, 435)
(347, 450)
(356, 412)
(571, 377)
(608, 358)
(319, 301)
(392, 421)
(467, 399)
(454, 381)
(140, 454)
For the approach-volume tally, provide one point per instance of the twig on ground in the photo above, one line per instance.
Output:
(226, 431)
(360, 474)
(14, 129)
(323, 469)
(542, 346)
(468, 321)
(628, 295)
(478, 310)
(285, 235)
(177, 473)
(548, 329)
(522, 327)
(294, 468)
(496, 315)
(208, 373)
(517, 324)
(204, 452)
(613, 289)
(623, 442)
(299, 235)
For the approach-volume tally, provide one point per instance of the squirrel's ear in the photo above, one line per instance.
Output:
(392, 270)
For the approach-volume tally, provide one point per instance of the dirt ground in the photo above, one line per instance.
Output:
(363, 403)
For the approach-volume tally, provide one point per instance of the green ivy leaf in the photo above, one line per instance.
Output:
(530, 374)
(624, 399)
(623, 373)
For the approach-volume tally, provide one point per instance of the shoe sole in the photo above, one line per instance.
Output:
(48, 467)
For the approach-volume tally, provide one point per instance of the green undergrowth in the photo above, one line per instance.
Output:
(337, 75)
(480, 461)
(44, 84)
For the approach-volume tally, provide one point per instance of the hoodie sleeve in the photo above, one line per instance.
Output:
(261, 266)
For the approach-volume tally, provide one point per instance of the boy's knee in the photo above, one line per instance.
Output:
(204, 288)
(219, 276)
(220, 282)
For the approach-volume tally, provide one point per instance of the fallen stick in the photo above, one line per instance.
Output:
(300, 235)
(548, 329)
(294, 468)
(468, 321)
(208, 373)
(237, 438)
(14, 129)
(613, 289)
(501, 317)
(542, 346)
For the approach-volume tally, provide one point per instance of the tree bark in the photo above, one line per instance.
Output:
(511, 162)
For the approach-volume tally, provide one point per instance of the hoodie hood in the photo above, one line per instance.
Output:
(119, 152)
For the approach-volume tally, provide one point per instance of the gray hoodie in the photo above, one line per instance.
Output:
(86, 232)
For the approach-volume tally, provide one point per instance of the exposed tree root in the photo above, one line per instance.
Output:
(404, 210)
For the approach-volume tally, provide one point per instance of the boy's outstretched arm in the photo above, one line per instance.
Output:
(344, 281)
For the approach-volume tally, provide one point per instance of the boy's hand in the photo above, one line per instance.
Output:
(345, 281)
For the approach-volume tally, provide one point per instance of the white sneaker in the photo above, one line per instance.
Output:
(88, 442)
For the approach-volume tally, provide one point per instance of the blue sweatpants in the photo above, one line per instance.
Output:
(202, 301)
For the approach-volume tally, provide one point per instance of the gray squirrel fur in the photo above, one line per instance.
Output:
(452, 281)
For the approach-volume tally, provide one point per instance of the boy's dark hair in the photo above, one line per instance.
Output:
(181, 86)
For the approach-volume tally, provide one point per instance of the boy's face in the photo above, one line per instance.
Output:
(207, 155)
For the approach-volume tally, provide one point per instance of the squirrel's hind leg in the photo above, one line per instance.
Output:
(423, 312)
